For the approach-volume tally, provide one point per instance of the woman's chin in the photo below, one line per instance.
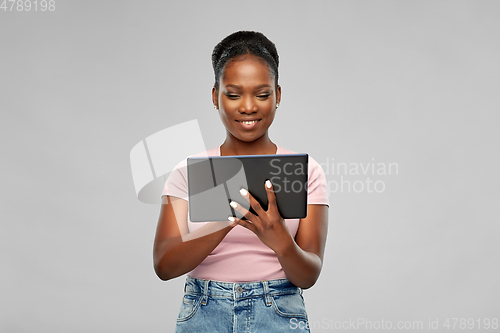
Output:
(248, 138)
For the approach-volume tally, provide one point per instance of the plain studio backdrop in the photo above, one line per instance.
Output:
(411, 87)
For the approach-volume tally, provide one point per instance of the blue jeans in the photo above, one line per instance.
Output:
(262, 306)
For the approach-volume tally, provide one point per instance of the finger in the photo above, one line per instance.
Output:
(253, 202)
(246, 224)
(232, 221)
(271, 196)
(243, 211)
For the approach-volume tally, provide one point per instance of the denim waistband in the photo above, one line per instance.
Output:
(240, 289)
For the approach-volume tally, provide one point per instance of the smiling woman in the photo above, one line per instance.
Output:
(243, 275)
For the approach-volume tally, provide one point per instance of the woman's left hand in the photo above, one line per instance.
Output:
(268, 225)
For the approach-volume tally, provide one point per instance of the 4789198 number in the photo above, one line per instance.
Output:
(471, 323)
(28, 5)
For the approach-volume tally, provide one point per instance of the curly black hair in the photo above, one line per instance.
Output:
(240, 43)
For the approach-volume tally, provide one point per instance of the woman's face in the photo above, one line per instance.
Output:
(247, 98)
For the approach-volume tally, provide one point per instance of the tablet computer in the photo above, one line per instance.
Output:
(215, 181)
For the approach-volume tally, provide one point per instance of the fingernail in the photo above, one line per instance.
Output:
(268, 183)
(230, 218)
(233, 204)
(243, 192)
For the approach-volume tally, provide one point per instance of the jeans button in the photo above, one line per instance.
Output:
(239, 289)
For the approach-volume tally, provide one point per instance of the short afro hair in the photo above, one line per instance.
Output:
(240, 43)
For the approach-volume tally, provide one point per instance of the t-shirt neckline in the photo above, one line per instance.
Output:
(278, 150)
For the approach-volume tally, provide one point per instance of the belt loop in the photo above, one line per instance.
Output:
(266, 292)
(205, 293)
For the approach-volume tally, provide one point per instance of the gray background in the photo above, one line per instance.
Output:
(409, 82)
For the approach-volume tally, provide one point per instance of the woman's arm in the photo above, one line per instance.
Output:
(302, 258)
(175, 250)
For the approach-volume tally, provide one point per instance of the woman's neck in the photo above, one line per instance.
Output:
(261, 146)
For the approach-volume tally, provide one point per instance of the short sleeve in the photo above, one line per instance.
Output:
(176, 184)
(317, 188)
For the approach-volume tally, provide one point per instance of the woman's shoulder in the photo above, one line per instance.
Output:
(317, 187)
(211, 152)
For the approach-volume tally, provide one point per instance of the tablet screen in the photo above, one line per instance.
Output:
(215, 181)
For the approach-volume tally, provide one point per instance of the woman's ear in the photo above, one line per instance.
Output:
(215, 98)
(278, 94)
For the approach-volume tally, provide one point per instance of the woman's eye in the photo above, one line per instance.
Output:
(231, 96)
(264, 96)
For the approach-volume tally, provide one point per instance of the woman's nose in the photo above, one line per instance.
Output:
(247, 105)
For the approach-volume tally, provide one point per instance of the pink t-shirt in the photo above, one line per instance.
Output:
(241, 256)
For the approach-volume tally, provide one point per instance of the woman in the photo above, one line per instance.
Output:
(243, 276)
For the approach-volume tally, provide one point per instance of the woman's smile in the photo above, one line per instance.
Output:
(248, 124)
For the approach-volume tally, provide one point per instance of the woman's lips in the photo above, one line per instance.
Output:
(248, 124)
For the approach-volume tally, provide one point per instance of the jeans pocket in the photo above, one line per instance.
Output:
(189, 306)
(289, 306)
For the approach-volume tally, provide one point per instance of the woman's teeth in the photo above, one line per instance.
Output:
(249, 122)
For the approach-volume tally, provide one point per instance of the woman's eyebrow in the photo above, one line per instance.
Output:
(258, 87)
